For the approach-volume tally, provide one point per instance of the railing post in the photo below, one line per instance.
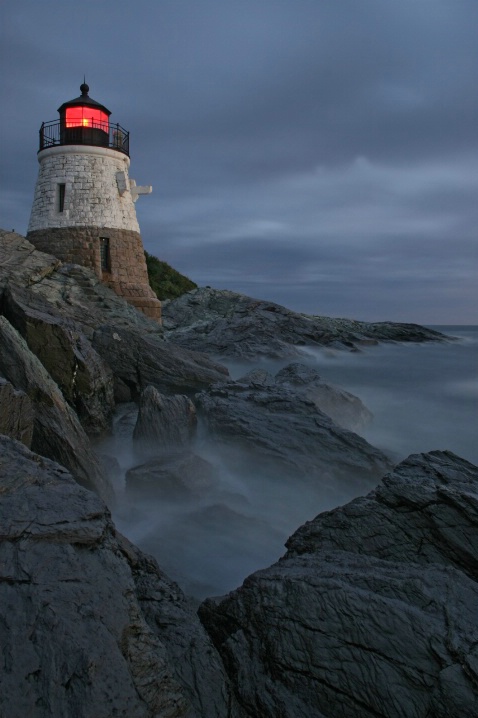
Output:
(55, 133)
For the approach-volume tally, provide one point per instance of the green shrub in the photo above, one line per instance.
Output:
(166, 281)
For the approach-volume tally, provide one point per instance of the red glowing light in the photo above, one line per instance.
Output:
(86, 117)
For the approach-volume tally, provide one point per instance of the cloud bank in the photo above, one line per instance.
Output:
(322, 155)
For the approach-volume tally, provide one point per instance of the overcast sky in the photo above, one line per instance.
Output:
(319, 153)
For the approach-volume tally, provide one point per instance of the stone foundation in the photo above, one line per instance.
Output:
(126, 275)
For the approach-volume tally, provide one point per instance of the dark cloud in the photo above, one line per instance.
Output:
(323, 155)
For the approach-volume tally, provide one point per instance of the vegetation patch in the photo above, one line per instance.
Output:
(166, 281)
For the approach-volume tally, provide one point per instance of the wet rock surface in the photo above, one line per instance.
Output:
(57, 433)
(228, 324)
(85, 380)
(372, 612)
(436, 494)
(344, 408)
(165, 423)
(139, 360)
(16, 413)
(89, 626)
(260, 421)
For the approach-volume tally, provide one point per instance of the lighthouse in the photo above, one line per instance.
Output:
(84, 204)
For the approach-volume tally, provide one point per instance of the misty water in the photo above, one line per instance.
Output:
(423, 397)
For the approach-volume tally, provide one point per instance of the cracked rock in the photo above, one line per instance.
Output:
(372, 611)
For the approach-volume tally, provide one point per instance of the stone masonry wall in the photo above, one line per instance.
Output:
(127, 274)
(92, 196)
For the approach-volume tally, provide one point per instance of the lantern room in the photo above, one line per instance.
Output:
(84, 121)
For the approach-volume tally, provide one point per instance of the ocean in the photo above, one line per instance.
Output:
(423, 397)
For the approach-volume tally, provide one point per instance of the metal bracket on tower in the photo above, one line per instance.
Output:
(137, 190)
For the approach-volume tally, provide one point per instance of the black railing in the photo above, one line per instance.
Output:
(98, 134)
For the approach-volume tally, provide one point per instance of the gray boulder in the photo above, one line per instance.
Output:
(372, 612)
(165, 423)
(57, 433)
(85, 380)
(425, 511)
(228, 324)
(16, 413)
(139, 359)
(89, 626)
(343, 408)
(260, 424)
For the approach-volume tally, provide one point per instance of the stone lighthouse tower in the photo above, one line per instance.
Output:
(84, 204)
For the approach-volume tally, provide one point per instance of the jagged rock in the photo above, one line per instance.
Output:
(228, 324)
(343, 408)
(372, 612)
(55, 307)
(177, 476)
(436, 494)
(165, 423)
(84, 319)
(89, 626)
(261, 424)
(83, 377)
(125, 420)
(68, 290)
(57, 433)
(142, 359)
(110, 467)
(16, 413)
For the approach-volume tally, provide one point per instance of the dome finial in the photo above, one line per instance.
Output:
(84, 88)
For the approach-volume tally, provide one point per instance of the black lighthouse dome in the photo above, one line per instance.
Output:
(84, 110)
(84, 121)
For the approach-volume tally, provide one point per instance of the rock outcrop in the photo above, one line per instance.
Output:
(165, 423)
(263, 425)
(67, 290)
(57, 433)
(89, 626)
(75, 348)
(372, 612)
(90, 339)
(343, 408)
(139, 360)
(16, 413)
(85, 380)
(228, 324)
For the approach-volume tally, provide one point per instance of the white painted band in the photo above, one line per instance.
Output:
(83, 150)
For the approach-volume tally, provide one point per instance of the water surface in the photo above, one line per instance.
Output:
(423, 397)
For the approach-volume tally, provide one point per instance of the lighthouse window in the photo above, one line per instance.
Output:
(105, 254)
(86, 116)
(61, 197)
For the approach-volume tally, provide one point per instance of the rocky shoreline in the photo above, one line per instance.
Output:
(226, 324)
(370, 612)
